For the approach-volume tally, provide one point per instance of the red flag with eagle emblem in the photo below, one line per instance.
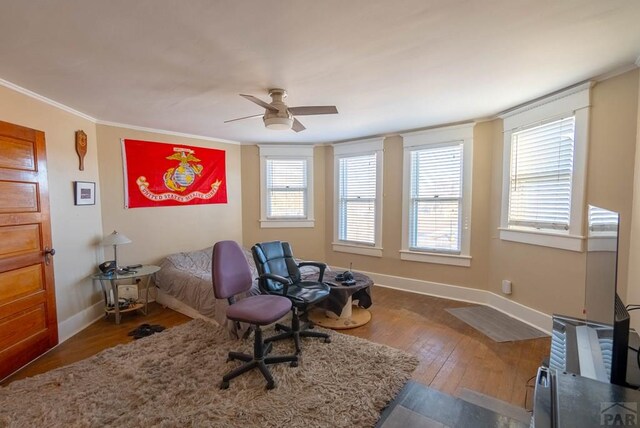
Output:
(161, 174)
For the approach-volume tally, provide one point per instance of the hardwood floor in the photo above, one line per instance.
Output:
(452, 354)
(100, 335)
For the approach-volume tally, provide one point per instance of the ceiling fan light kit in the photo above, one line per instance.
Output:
(278, 123)
(278, 116)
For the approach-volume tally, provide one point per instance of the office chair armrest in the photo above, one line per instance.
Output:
(321, 266)
(281, 279)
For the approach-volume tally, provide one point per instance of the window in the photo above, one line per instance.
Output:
(436, 199)
(286, 186)
(437, 196)
(358, 189)
(357, 199)
(541, 175)
(545, 151)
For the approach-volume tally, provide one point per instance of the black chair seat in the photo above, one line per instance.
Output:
(280, 275)
(304, 292)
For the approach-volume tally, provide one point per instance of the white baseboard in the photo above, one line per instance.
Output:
(527, 315)
(83, 319)
(80, 321)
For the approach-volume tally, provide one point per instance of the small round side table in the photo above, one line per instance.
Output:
(337, 311)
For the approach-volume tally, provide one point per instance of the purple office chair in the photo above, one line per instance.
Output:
(232, 276)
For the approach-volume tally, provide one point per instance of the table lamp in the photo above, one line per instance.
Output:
(116, 239)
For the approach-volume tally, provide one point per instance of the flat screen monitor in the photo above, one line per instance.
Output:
(602, 303)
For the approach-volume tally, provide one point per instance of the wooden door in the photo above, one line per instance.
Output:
(28, 322)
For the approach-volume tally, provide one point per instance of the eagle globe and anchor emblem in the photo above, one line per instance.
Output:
(179, 178)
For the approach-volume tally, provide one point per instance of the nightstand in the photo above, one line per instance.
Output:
(109, 284)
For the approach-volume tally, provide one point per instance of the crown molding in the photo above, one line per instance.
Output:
(580, 88)
(506, 112)
(166, 132)
(46, 100)
(75, 112)
(618, 71)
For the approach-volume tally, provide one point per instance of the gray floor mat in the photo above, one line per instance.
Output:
(495, 324)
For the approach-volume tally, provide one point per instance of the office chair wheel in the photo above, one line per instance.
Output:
(327, 340)
(224, 385)
(271, 385)
(229, 359)
(293, 364)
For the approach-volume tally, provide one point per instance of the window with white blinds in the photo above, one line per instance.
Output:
(286, 186)
(541, 175)
(357, 191)
(436, 197)
(546, 144)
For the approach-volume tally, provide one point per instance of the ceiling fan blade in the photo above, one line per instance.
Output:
(297, 126)
(259, 102)
(241, 118)
(309, 110)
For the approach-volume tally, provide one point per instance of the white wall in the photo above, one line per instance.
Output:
(75, 229)
(633, 287)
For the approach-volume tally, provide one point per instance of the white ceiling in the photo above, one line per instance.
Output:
(387, 65)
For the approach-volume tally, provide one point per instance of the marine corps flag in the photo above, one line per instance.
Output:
(160, 174)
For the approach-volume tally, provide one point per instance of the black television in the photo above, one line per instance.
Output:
(603, 306)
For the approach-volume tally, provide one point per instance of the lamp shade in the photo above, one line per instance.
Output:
(116, 239)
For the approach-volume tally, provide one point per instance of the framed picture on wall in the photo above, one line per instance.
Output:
(84, 192)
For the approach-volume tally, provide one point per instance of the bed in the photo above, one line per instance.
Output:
(184, 285)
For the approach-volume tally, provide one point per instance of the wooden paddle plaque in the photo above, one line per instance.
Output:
(81, 147)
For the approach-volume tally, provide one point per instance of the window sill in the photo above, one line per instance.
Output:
(544, 239)
(358, 249)
(286, 223)
(443, 259)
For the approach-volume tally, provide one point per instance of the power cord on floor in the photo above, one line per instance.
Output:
(629, 308)
(637, 351)
(526, 392)
(632, 307)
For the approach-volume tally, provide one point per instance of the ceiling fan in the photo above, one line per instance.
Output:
(278, 116)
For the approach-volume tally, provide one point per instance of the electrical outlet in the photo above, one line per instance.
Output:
(128, 291)
(506, 286)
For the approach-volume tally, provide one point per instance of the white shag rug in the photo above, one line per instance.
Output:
(171, 379)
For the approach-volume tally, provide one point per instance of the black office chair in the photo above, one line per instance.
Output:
(231, 277)
(280, 275)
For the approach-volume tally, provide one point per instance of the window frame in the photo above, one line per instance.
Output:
(286, 152)
(353, 149)
(575, 102)
(429, 139)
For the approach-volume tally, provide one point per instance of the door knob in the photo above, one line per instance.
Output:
(48, 252)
